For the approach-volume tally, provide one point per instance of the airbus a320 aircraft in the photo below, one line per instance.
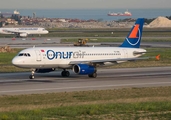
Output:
(82, 60)
(23, 32)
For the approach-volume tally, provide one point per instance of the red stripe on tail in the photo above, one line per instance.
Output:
(134, 32)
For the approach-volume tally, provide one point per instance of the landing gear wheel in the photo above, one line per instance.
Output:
(65, 73)
(31, 76)
(94, 75)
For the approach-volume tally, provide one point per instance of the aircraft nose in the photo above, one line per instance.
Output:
(16, 62)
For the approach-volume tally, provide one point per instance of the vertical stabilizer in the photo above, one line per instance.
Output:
(133, 39)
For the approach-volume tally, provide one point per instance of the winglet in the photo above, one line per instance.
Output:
(133, 39)
(158, 57)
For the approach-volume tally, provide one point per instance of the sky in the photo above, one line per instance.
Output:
(84, 4)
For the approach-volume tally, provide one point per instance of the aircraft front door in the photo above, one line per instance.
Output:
(38, 55)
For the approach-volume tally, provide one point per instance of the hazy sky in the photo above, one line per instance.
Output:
(86, 4)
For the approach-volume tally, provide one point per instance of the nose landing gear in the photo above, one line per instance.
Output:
(32, 74)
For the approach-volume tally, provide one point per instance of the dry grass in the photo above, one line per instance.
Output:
(51, 105)
(127, 95)
(128, 103)
(11, 68)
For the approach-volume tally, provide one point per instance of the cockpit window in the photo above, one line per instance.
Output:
(24, 54)
(21, 54)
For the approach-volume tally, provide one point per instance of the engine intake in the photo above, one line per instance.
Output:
(44, 70)
(84, 69)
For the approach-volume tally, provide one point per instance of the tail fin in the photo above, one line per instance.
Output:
(134, 37)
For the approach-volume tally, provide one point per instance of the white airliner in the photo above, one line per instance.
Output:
(82, 60)
(23, 32)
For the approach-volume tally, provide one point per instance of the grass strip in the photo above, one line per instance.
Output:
(127, 103)
(147, 110)
(97, 40)
(101, 32)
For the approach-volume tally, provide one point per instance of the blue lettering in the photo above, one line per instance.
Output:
(58, 54)
(70, 54)
(64, 55)
(50, 54)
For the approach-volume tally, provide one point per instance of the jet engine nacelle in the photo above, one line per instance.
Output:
(23, 34)
(84, 69)
(44, 70)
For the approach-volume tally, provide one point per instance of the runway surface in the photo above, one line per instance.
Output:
(56, 41)
(19, 83)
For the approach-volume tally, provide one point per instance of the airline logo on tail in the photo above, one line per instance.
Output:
(134, 37)
(135, 34)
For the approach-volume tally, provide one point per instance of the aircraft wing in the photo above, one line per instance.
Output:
(108, 60)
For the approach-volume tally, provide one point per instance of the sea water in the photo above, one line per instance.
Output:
(96, 14)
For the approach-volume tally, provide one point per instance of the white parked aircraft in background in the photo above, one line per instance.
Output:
(82, 60)
(23, 32)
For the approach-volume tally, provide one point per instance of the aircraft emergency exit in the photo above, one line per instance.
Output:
(82, 60)
(23, 32)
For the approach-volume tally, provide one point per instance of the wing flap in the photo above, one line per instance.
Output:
(107, 60)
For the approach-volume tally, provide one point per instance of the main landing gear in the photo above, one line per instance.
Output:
(93, 75)
(65, 73)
